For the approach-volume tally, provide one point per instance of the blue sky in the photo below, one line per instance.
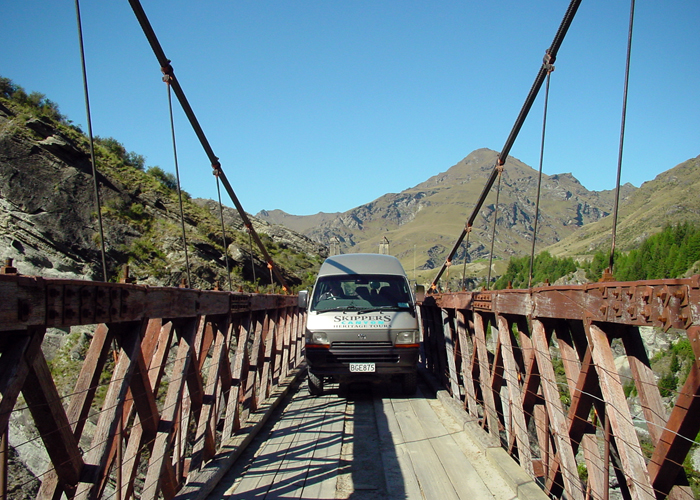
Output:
(326, 105)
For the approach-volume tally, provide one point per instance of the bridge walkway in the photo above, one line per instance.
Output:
(369, 443)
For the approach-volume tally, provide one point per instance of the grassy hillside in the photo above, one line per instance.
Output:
(47, 200)
(298, 223)
(432, 214)
(671, 198)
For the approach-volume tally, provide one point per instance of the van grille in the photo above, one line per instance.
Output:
(362, 344)
(378, 351)
(367, 358)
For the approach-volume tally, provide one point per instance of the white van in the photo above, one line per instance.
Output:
(361, 322)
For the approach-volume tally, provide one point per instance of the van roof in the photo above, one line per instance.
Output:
(361, 263)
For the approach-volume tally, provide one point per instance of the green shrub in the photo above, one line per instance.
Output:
(545, 268)
(668, 384)
(36, 101)
(115, 147)
(166, 178)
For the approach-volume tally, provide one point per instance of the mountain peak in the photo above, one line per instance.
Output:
(423, 222)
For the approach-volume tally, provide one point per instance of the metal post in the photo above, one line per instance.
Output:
(120, 455)
(415, 278)
(545, 452)
(606, 471)
(3, 464)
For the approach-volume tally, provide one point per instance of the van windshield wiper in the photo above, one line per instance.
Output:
(350, 307)
(380, 308)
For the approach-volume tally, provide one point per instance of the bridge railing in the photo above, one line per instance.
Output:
(169, 378)
(537, 370)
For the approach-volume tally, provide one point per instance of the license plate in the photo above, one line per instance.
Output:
(362, 367)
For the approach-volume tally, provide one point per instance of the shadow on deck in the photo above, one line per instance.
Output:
(368, 442)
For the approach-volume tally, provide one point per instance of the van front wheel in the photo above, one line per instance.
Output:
(409, 383)
(315, 384)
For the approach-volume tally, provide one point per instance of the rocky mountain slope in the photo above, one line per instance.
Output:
(671, 198)
(298, 223)
(432, 214)
(48, 219)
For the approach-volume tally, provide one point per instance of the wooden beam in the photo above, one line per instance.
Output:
(281, 332)
(519, 427)
(466, 349)
(496, 382)
(683, 425)
(96, 459)
(204, 436)
(618, 412)
(491, 417)
(250, 400)
(51, 422)
(270, 332)
(595, 466)
(163, 442)
(159, 350)
(557, 417)
(15, 361)
(448, 329)
(232, 422)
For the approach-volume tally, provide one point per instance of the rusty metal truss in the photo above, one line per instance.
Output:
(536, 369)
(171, 379)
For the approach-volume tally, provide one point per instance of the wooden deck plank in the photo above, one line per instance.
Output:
(401, 482)
(429, 471)
(300, 459)
(258, 478)
(322, 478)
(300, 466)
(319, 450)
(462, 476)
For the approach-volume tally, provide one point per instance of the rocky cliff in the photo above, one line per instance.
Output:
(49, 225)
(432, 214)
(671, 198)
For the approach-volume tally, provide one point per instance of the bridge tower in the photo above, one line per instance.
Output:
(384, 246)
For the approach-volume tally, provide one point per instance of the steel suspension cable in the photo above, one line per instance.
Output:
(167, 69)
(464, 267)
(493, 231)
(503, 155)
(166, 79)
(252, 260)
(223, 232)
(92, 143)
(539, 177)
(622, 138)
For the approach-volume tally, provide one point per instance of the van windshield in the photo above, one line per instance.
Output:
(361, 292)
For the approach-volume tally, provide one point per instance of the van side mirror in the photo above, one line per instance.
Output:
(303, 299)
(420, 293)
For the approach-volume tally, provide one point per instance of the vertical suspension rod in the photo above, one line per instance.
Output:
(611, 260)
(549, 58)
(216, 165)
(95, 184)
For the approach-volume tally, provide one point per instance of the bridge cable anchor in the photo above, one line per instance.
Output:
(548, 61)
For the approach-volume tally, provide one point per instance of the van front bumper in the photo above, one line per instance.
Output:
(336, 361)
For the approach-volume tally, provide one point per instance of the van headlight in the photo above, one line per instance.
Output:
(317, 338)
(408, 337)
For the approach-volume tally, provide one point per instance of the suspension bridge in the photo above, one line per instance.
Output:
(204, 394)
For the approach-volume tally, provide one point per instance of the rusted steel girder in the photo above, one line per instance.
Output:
(32, 301)
(660, 303)
(548, 384)
(215, 357)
